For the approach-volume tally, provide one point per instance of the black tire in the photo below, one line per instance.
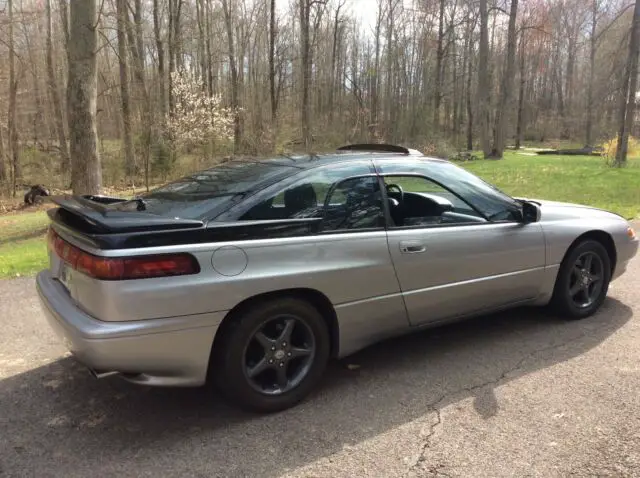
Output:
(229, 355)
(581, 306)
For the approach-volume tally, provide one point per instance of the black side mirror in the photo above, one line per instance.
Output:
(530, 212)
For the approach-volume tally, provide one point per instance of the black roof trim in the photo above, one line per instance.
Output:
(378, 148)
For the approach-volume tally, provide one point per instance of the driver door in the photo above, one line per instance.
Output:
(450, 261)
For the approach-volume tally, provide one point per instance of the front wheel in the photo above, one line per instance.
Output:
(583, 280)
(272, 355)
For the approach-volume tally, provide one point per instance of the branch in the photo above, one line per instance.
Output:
(99, 15)
(499, 9)
(615, 19)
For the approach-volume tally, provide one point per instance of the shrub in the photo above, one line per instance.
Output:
(609, 149)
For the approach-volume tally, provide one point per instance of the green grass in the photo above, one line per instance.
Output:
(23, 249)
(579, 179)
(23, 258)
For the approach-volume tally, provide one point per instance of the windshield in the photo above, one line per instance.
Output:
(485, 197)
(194, 196)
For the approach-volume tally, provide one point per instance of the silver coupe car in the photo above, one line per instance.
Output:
(253, 274)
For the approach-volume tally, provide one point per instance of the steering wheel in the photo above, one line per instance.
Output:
(399, 189)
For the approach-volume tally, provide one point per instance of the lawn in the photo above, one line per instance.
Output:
(580, 179)
(23, 249)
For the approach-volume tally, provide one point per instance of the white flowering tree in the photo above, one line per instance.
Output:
(198, 118)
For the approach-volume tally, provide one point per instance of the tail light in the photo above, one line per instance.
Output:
(116, 268)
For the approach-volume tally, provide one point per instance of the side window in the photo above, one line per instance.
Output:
(354, 204)
(418, 201)
(341, 204)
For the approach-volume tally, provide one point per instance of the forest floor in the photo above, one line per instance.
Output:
(578, 179)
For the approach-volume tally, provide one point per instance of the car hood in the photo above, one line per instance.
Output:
(554, 210)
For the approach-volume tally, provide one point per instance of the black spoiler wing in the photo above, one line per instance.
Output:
(91, 213)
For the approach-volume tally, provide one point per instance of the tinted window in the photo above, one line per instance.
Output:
(193, 196)
(354, 204)
(341, 204)
(485, 198)
(418, 201)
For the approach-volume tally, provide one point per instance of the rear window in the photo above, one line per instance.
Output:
(197, 195)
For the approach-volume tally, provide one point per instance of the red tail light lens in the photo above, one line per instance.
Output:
(110, 268)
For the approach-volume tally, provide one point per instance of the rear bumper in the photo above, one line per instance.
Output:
(164, 352)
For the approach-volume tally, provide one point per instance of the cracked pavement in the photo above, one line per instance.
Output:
(515, 394)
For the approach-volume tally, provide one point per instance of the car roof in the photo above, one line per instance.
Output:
(356, 152)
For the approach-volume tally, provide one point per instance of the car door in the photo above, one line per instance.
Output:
(344, 256)
(450, 260)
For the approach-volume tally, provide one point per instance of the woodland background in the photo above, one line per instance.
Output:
(132, 92)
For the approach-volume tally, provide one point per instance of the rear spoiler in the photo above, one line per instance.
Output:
(96, 218)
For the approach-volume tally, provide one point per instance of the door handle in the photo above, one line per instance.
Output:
(412, 247)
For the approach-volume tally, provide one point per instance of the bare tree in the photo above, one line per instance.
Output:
(160, 54)
(593, 44)
(14, 147)
(506, 86)
(629, 90)
(305, 64)
(3, 159)
(235, 81)
(272, 61)
(437, 92)
(86, 172)
(483, 80)
(521, 90)
(123, 61)
(65, 165)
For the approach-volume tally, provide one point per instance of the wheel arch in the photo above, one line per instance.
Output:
(603, 238)
(316, 298)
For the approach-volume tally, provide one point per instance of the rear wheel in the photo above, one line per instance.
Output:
(272, 355)
(583, 280)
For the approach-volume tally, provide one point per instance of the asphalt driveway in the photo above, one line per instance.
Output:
(515, 394)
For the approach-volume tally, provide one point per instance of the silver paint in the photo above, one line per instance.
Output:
(382, 283)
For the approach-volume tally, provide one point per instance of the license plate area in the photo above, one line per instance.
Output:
(64, 275)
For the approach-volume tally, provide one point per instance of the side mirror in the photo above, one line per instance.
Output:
(530, 212)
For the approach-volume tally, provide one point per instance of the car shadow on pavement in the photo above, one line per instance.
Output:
(57, 420)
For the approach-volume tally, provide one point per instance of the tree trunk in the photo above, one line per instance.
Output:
(629, 90)
(437, 92)
(64, 23)
(171, 52)
(272, 62)
(38, 124)
(125, 97)
(3, 162)
(82, 89)
(375, 80)
(160, 48)
(237, 127)
(305, 6)
(506, 86)
(208, 46)
(14, 147)
(523, 82)
(469, 97)
(592, 69)
(137, 54)
(334, 48)
(483, 80)
(201, 44)
(65, 163)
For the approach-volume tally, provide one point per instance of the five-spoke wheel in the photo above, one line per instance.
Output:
(271, 354)
(586, 279)
(279, 355)
(583, 280)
